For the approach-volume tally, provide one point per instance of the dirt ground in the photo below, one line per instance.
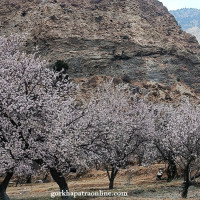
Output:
(142, 186)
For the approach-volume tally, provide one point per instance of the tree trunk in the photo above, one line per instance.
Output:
(60, 180)
(4, 185)
(112, 176)
(171, 171)
(28, 179)
(186, 186)
(111, 184)
(187, 182)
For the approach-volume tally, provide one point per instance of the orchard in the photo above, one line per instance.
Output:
(43, 120)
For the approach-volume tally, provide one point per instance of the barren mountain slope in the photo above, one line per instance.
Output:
(138, 39)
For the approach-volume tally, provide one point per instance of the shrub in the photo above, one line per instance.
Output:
(60, 65)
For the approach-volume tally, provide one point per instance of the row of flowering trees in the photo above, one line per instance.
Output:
(176, 140)
(41, 121)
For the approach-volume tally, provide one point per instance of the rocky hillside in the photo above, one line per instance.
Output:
(136, 40)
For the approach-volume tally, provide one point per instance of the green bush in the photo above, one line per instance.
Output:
(61, 65)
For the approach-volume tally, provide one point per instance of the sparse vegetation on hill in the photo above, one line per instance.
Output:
(111, 38)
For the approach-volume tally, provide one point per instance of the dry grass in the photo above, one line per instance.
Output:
(143, 186)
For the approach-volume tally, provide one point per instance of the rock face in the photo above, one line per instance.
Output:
(137, 40)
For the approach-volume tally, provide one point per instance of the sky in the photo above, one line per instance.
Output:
(177, 4)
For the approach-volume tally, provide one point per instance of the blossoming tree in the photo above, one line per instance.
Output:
(116, 125)
(36, 105)
(178, 136)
